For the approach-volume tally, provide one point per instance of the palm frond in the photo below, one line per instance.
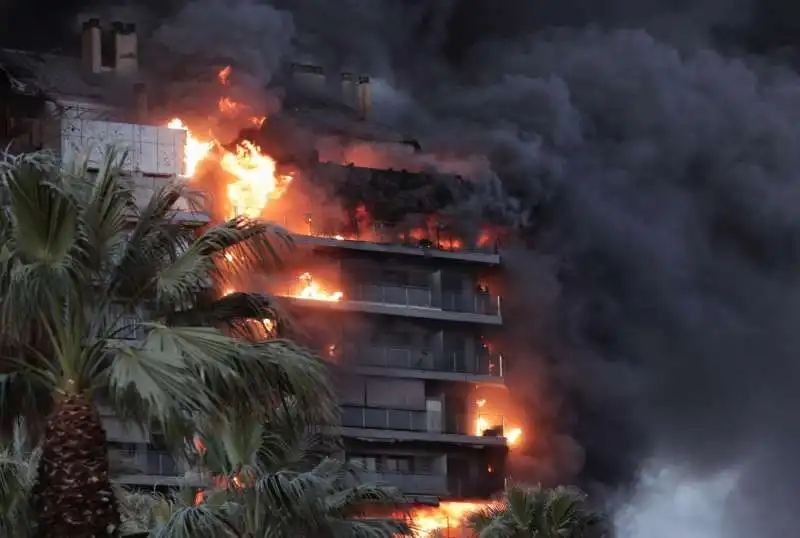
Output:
(536, 511)
(223, 254)
(202, 520)
(18, 461)
(81, 256)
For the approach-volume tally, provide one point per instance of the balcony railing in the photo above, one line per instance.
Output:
(417, 421)
(421, 297)
(385, 234)
(423, 359)
(418, 483)
(143, 462)
(479, 303)
(398, 295)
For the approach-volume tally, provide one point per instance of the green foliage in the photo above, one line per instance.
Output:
(269, 480)
(536, 512)
(83, 255)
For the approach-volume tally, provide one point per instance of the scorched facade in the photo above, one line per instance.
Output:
(411, 330)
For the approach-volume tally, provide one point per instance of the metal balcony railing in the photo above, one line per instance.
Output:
(421, 297)
(398, 295)
(435, 238)
(419, 483)
(478, 303)
(144, 462)
(418, 421)
(425, 359)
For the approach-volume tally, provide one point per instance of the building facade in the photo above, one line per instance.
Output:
(411, 334)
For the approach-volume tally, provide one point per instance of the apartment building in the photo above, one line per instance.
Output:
(414, 328)
(413, 335)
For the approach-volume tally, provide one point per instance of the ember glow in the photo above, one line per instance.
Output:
(309, 289)
(447, 519)
(223, 75)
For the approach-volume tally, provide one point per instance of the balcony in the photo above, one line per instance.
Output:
(406, 358)
(421, 302)
(408, 425)
(381, 237)
(398, 295)
(415, 484)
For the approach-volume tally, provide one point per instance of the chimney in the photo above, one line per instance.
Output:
(126, 48)
(363, 97)
(140, 97)
(91, 38)
(348, 82)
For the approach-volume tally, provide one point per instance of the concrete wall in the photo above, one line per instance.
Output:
(151, 150)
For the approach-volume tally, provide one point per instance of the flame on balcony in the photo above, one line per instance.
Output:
(484, 425)
(431, 235)
(310, 289)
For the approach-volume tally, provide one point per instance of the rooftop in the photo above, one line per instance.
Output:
(62, 77)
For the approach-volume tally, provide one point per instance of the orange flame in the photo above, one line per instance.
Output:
(449, 515)
(196, 150)
(256, 181)
(512, 434)
(227, 105)
(311, 290)
(223, 75)
(255, 178)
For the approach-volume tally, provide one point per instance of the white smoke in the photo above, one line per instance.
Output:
(671, 503)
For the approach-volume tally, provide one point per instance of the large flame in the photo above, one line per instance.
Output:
(448, 516)
(309, 289)
(512, 434)
(196, 150)
(255, 180)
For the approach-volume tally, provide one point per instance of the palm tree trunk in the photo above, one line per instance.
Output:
(72, 497)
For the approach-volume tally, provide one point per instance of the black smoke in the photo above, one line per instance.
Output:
(646, 151)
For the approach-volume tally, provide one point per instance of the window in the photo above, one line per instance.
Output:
(398, 465)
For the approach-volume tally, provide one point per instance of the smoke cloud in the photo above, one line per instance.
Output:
(648, 158)
(655, 173)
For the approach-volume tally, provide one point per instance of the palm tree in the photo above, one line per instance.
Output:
(271, 481)
(79, 259)
(533, 511)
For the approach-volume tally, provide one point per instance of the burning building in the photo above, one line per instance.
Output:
(406, 304)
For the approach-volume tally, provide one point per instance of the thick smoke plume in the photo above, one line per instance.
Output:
(649, 161)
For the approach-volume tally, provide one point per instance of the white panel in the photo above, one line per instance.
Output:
(151, 150)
